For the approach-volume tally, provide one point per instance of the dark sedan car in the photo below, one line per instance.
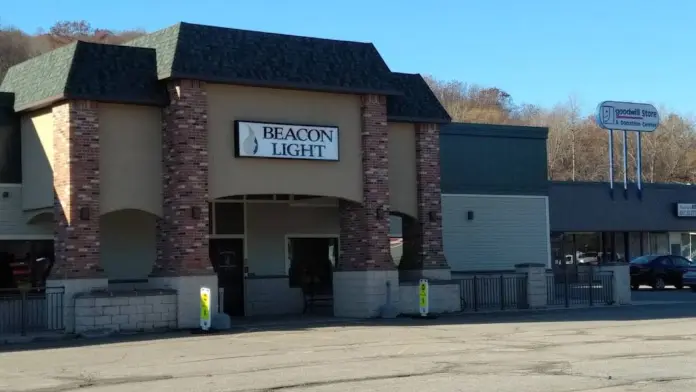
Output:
(659, 271)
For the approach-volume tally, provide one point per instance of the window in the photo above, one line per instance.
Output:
(680, 261)
(643, 259)
(229, 218)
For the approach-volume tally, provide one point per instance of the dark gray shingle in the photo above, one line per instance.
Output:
(83, 70)
(417, 104)
(225, 55)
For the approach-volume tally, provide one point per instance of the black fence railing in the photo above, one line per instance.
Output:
(493, 292)
(586, 287)
(32, 310)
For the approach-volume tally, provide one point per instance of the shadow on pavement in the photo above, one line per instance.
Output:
(293, 324)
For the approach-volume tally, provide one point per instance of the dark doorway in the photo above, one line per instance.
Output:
(227, 256)
(311, 269)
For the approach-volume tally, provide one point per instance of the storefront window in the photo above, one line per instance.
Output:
(25, 262)
(228, 218)
(588, 248)
(619, 247)
(685, 249)
(659, 243)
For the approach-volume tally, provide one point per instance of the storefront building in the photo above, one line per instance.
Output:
(590, 224)
(494, 196)
(206, 156)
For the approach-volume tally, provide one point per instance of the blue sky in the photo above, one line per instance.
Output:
(540, 51)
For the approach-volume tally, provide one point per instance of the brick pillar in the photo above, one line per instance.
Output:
(76, 189)
(183, 237)
(429, 201)
(365, 269)
(365, 230)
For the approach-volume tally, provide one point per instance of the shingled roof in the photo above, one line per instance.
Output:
(417, 104)
(132, 73)
(87, 71)
(225, 55)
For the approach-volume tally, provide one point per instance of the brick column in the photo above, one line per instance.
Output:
(183, 236)
(365, 270)
(76, 190)
(429, 201)
(364, 233)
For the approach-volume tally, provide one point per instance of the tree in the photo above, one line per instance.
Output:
(14, 48)
(577, 147)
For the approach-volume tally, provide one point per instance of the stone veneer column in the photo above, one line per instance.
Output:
(365, 266)
(183, 261)
(75, 165)
(430, 202)
(76, 186)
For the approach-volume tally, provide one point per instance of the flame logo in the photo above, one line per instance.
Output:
(250, 145)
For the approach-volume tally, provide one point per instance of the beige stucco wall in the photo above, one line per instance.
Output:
(130, 140)
(128, 244)
(402, 168)
(233, 176)
(268, 289)
(268, 224)
(37, 157)
(16, 223)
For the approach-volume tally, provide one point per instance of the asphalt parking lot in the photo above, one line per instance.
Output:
(633, 348)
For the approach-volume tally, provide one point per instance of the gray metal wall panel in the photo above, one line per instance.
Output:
(585, 206)
(506, 230)
(493, 159)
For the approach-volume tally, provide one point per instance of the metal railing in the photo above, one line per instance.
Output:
(31, 310)
(493, 292)
(579, 287)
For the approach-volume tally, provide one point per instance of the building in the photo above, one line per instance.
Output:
(494, 197)
(591, 223)
(206, 156)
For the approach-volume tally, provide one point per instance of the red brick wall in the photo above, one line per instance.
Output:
(76, 185)
(183, 239)
(364, 235)
(428, 195)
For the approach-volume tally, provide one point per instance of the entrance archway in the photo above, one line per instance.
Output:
(256, 244)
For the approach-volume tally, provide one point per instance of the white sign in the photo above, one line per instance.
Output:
(286, 141)
(205, 308)
(686, 210)
(627, 116)
(423, 300)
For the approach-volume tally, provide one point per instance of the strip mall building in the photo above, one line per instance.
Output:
(206, 156)
(266, 165)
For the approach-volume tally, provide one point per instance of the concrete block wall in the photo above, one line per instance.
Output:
(536, 284)
(621, 281)
(361, 294)
(272, 296)
(188, 289)
(125, 311)
(443, 297)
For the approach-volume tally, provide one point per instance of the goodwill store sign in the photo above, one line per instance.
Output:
(286, 141)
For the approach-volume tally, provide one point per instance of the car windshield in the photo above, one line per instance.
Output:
(644, 259)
